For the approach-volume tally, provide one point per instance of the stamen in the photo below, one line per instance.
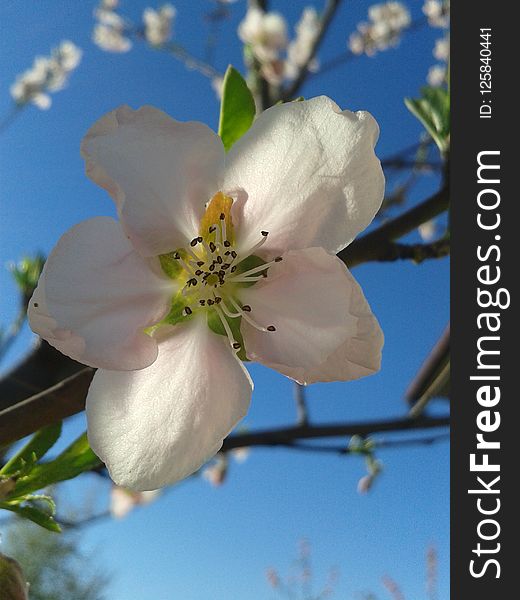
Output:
(187, 311)
(252, 250)
(239, 279)
(234, 344)
(247, 318)
(256, 270)
(223, 227)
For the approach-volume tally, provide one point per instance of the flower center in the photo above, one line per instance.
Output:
(212, 272)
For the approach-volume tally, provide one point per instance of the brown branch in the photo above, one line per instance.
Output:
(326, 19)
(378, 244)
(286, 436)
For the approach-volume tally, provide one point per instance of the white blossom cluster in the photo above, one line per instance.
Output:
(47, 74)
(110, 29)
(265, 33)
(383, 29)
(438, 13)
(112, 32)
(158, 24)
(441, 51)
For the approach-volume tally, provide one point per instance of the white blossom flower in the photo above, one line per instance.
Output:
(241, 454)
(383, 31)
(428, 230)
(265, 32)
(110, 39)
(217, 83)
(441, 51)
(48, 74)
(438, 13)
(299, 50)
(214, 254)
(216, 473)
(109, 4)
(109, 33)
(158, 24)
(436, 75)
(122, 500)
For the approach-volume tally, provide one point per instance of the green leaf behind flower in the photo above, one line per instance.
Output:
(433, 111)
(237, 110)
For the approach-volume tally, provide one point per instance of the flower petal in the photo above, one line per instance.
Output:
(160, 172)
(156, 426)
(324, 328)
(96, 295)
(307, 173)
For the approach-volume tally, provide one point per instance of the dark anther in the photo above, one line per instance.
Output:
(233, 254)
(271, 328)
(200, 263)
(198, 272)
(225, 266)
(218, 299)
(278, 259)
(202, 302)
(227, 253)
(212, 246)
(199, 239)
(35, 304)
(219, 260)
(194, 242)
(233, 269)
(210, 302)
(176, 256)
(264, 233)
(187, 310)
(246, 308)
(236, 346)
(222, 216)
(221, 273)
(212, 229)
(212, 267)
(227, 244)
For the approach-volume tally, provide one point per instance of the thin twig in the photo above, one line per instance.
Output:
(302, 414)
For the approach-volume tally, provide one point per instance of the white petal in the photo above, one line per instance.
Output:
(96, 295)
(158, 425)
(307, 173)
(324, 328)
(160, 172)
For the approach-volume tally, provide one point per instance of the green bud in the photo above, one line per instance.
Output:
(12, 581)
(26, 273)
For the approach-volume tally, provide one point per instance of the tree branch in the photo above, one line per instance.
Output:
(302, 414)
(287, 436)
(328, 14)
(378, 244)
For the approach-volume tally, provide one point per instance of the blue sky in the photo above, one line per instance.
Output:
(199, 542)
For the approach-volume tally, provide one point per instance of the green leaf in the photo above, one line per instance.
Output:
(35, 448)
(73, 461)
(433, 111)
(37, 515)
(237, 110)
